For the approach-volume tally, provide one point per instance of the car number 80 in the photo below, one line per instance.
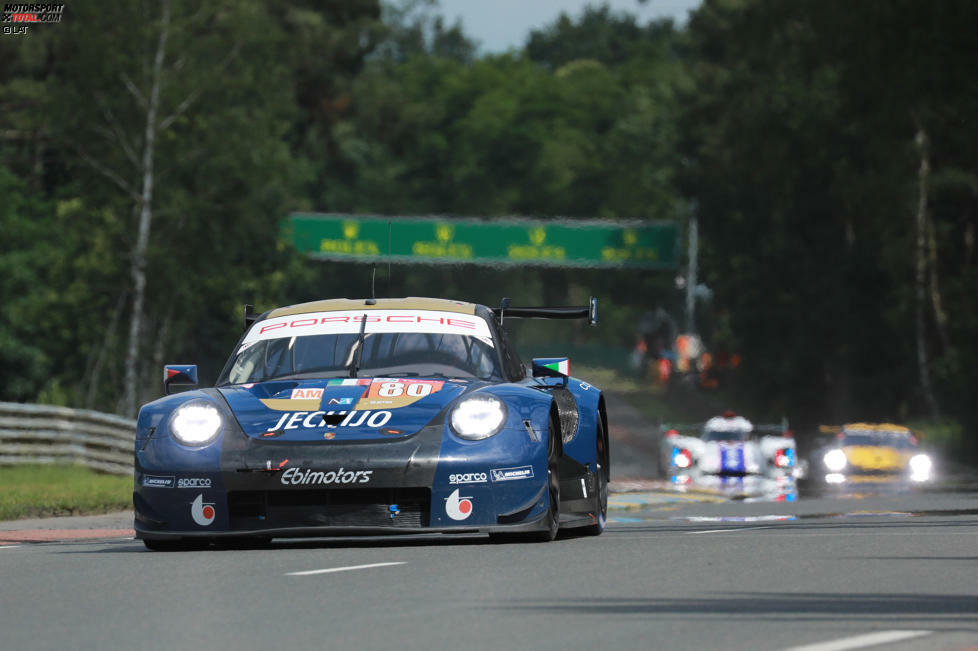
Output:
(395, 389)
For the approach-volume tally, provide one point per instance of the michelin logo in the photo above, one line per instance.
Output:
(158, 482)
(509, 474)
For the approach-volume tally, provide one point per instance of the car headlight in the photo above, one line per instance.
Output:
(920, 464)
(835, 460)
(478, 417)
(196, 423)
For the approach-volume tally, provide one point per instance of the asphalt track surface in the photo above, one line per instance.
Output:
(878, 566)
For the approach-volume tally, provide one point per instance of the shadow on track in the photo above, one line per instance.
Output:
(773, 606)
(377, 542)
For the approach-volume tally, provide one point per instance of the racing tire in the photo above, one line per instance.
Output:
(177, 545)
(603, 458)
(552, 517)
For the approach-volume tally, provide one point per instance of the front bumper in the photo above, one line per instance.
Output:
(426, 483)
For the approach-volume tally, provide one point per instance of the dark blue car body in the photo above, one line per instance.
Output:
(320, 454)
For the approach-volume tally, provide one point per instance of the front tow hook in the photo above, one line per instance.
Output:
(269, 467)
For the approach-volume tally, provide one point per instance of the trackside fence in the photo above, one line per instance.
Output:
(46, 434)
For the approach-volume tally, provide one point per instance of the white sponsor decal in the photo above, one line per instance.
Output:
(193, 482)
(309, 419)
(509, 474)
(306, 394)
(202, 512)
(158, 482)
(348, 322)
(458, 508)
(299, 476)
(468, 478)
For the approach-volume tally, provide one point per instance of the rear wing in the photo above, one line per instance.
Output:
(696, 429)
(837, 430)
(772, 429)
(684, 429)
(589, 312)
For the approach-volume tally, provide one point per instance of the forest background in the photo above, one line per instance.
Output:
(150, 150)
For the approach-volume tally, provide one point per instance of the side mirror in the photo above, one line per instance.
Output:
(179, 375)
(547, 367)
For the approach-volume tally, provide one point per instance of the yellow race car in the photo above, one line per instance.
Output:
(881, 450)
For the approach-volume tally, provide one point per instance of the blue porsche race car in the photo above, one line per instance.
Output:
(374, 416)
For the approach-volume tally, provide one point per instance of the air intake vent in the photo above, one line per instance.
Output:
(567, 409)
(330, 508)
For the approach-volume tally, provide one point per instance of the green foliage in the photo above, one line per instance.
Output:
(788, 127)
(25, 361)
(946, 437)
(800, 130)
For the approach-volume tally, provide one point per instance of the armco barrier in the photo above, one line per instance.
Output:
(47, 434)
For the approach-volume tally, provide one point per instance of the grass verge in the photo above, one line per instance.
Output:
(41, 491)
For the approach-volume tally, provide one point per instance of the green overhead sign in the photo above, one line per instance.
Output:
(558, 243)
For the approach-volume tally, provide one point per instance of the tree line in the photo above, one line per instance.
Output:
(149, 152)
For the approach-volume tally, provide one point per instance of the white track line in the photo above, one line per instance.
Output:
(861, 641)
(342, 569)
(728, 530)
(9, 546)
(782, 534)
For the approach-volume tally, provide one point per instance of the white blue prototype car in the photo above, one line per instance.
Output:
(374, 416)
(728, 445)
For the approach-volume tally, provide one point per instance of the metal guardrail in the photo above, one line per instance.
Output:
(45, 434)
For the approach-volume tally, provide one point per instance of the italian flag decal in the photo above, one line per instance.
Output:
(349, 382)
(562, 367)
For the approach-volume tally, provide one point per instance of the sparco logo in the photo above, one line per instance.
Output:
(468, 478)
(193, 482)
(297, 476)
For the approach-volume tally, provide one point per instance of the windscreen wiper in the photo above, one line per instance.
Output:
(358, 355)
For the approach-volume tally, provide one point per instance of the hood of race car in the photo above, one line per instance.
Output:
(876, 457)
(354, 409)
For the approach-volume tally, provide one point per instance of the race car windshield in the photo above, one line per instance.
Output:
(720, 435)
(889, 439)
(403, 354)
